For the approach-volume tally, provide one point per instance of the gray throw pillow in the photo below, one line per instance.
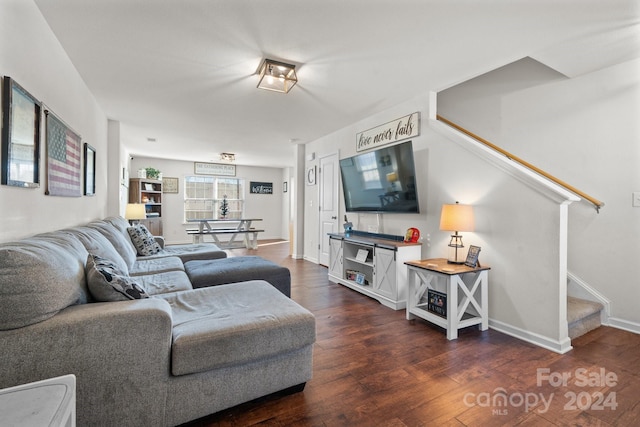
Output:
(108, 283)
(143, 240)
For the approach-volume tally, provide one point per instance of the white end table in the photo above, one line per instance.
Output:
(50, 402)
(465, 291)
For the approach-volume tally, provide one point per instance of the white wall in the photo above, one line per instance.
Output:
(269, 207)
(30, 54)
(286, 224)
(517, 226)
(343, 141)
(586, 132)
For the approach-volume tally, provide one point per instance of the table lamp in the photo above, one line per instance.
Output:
(392, 178)
(456, 218)
(135, 212)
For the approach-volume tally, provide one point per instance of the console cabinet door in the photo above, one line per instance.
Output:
(154, 225)
(385, 273)
(335, 258)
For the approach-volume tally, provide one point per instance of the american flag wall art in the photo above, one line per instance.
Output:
(63, 159)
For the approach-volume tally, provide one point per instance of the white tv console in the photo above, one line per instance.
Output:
(379, 262)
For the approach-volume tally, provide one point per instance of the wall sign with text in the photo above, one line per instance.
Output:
(214, 169)
(260, 187)
(394, 131)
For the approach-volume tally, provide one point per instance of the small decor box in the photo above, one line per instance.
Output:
(437, 303)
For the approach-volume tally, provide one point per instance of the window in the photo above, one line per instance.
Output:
(204, 194)
(368, 168)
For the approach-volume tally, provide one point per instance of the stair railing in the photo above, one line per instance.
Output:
(596, 203)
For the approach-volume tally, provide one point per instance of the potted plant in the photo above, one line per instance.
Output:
(153, 173)
(224, 207)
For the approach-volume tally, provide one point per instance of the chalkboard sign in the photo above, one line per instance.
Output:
(261, 187)
(437, 302)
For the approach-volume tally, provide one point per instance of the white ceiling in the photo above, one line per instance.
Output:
(182, 71)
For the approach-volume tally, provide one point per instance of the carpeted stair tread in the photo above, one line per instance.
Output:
(579, 308)
(583, 316)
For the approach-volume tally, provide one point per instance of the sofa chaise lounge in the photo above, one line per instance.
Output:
(175, 356)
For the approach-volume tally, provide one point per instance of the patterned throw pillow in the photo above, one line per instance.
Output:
(143, 240)
(107, 283)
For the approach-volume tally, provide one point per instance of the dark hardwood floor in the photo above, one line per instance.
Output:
(372, 367)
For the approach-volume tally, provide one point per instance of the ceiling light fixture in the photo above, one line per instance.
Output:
(277, 76)
(227, 157)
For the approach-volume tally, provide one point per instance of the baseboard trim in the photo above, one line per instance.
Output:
(556, 346)
(625, 325)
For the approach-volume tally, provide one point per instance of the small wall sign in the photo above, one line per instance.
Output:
(260, 187)
(214, 169)
(311, 175)
(394, 131)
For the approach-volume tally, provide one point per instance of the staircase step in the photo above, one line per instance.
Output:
(578, 309)
(583, 316)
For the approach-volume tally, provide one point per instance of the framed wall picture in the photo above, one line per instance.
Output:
(169, 185)
(124, 178)
(89, 170)
(21, 117)
(64, 153)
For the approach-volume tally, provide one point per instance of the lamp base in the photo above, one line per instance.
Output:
(456, 255)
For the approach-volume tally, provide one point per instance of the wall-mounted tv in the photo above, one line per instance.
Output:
(383, 180)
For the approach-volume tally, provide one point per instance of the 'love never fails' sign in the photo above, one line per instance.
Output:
(394, 131)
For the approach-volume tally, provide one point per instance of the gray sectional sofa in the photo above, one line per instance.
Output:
(174, 355)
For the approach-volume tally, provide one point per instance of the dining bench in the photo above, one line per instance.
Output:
(250, 237)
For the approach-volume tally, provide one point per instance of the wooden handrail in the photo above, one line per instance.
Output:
(597, 203)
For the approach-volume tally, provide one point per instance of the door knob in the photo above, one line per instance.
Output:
(334, 217)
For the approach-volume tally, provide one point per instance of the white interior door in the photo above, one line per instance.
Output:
(328, 205)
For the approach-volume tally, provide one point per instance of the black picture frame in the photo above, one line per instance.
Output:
(89, 170)
(472, 257)
(21, 118)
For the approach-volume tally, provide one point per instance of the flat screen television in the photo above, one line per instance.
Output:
(383, 180)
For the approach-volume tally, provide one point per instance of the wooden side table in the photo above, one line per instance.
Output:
(443, 304)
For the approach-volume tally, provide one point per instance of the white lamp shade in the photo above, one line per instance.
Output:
(457, 218)
(135, 211)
